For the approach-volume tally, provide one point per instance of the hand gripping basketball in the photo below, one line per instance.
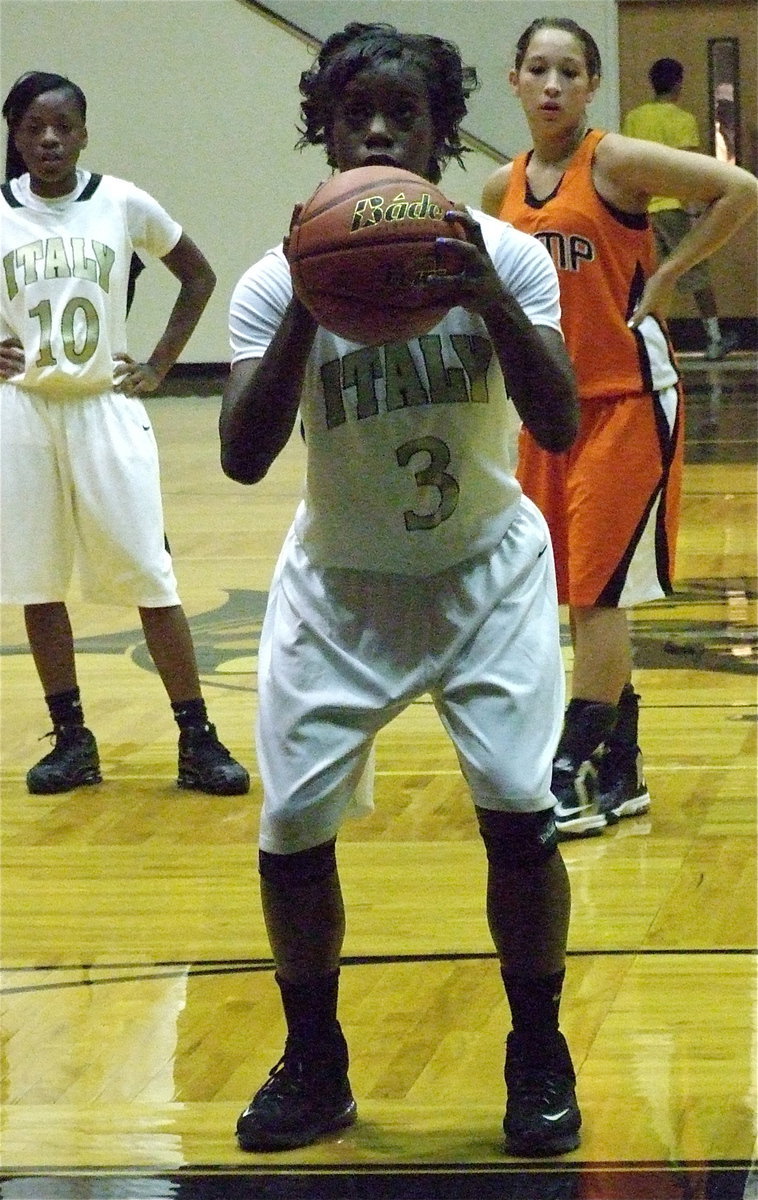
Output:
(364, 257)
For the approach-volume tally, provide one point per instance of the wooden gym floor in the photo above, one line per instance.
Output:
(140, 1010)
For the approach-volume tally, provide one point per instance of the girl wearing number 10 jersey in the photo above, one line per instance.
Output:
(80, 475)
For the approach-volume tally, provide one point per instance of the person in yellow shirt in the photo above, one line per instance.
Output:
(664, 120)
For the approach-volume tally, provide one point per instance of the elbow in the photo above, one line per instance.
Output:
(241, 468)
(208, 285)
(201, 286)
(566, 435)
(555, 441)
(558, 436)
(563, 443)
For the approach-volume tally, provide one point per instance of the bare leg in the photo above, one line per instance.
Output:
(205, 764)
(169, 641)
(602, 653)
(51, 641)
(602, 702)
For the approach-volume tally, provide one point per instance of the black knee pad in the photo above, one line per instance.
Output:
(299, 869)
(518, 839)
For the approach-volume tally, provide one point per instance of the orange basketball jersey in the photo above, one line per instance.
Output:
(612, 500)
(603, 258)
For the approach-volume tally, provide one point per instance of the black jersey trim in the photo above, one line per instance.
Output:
(10, 199)
(630, 220)
(90, 188)
(529, 198)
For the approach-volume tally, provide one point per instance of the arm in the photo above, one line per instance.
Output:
(630, 171)
(261, 398)
(538, 373)
(536, 367)
(553, 421)
(197, 281)
(494, 190)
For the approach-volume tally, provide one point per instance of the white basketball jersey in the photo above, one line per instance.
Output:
(65, 275)
(408, 466)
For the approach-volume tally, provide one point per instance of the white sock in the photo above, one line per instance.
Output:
(712, 328)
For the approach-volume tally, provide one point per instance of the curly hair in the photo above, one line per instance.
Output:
(360, 46)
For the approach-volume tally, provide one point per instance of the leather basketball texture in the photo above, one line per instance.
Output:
(362, 252)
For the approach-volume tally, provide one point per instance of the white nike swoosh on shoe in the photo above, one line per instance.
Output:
(562, 813)
(555, 1116)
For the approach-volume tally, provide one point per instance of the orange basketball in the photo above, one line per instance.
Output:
(362, 249)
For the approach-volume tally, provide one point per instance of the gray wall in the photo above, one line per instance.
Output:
(197, 101)
(486, 31)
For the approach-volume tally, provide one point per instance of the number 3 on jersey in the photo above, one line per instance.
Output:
(435, 475)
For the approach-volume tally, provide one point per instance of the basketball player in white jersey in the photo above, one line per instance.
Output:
(80, 474)
(414, 565)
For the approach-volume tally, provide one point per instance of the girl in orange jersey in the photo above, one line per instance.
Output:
(612, 500)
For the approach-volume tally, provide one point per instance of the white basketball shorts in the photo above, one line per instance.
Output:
(81, 483)
(343, 652)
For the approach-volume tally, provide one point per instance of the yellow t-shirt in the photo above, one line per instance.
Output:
(663, 121)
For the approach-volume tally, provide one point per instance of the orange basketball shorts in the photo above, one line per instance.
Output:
(612, 501)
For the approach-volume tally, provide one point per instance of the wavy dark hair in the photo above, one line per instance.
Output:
(359, 46)
(586, 40)
(24, 92)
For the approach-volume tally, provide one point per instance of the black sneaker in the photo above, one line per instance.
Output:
(576, 810)
(206, 765)
(542, 1116)
(621, 787)
(306, 1095)
(72, 762)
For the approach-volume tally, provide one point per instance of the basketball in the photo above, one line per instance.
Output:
(362, 249)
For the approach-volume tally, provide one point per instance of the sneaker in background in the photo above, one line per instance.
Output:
(206, 765)
(620, 782)
(73, 762)
(576, 811)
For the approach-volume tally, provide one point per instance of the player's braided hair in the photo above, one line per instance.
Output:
(359, 46)
(24, 92)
